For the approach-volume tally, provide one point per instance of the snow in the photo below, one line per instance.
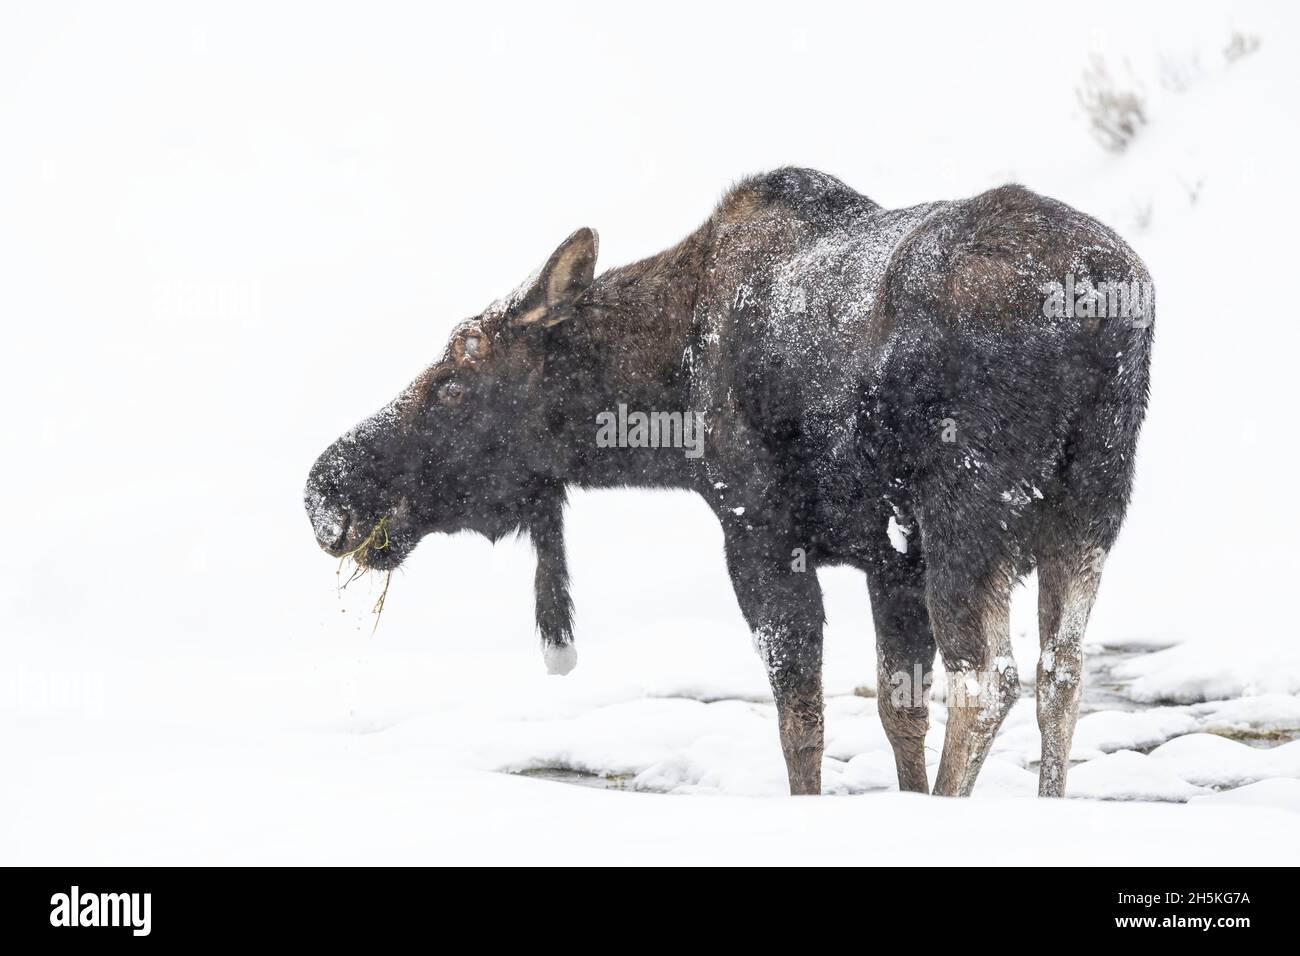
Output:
(897, 535)
(1113, 730)
(1281, 792)
(1213, 761)
(211, 277)
(1203, 671)
(559, 660)
(1128, 775)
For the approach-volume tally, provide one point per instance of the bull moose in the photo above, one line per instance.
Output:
(893, 389)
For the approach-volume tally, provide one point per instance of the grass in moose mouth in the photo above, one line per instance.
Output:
(377, 540)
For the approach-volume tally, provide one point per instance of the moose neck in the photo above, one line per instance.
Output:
(627, 346)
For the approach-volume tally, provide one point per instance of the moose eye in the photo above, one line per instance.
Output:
(451, 393)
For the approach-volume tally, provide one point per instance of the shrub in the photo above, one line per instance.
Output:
(1115, 114)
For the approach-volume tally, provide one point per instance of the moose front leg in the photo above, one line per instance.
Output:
(783, 607)
(553, 607)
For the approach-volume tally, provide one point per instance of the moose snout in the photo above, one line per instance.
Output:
(330, 519)
(330, 510)
(330, 523)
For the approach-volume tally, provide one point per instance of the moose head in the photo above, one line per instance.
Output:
(459, 449)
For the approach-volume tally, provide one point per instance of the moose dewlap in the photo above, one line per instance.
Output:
(899, 390)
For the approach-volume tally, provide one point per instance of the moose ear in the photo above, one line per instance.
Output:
(562, 281)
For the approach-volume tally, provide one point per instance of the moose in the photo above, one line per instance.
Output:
(882, 388)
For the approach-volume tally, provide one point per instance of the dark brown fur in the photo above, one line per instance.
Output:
(830, 346)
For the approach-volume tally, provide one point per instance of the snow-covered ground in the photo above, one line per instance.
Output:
(226, 237)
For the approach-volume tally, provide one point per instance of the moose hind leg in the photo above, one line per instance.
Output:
(971, 619)
(1066, 591)
(904, 660)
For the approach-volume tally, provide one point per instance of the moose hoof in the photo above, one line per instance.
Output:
(560, 658)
